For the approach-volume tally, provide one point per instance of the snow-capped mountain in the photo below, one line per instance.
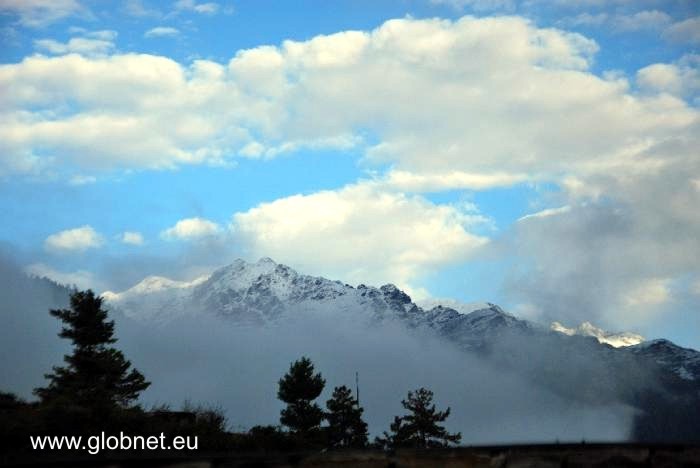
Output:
(259, 292)
(265, 292)
(616, 340)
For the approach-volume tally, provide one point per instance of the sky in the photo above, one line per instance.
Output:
(541, 155)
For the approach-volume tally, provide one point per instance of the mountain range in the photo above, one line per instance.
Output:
(266, 292)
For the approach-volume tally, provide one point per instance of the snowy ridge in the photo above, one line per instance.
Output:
(616, 340)
(266, 292)
(259, 292)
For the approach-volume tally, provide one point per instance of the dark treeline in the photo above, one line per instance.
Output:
(97, 391)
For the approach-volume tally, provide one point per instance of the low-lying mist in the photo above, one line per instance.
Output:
(207, 359)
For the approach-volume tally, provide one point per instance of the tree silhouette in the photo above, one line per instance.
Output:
(299, 388)
(97, 377)
(419, 428)
(345, 425)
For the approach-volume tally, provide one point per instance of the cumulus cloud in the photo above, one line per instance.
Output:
(191, 228)
(132, 238)
(161, 31)
(37, 13)
(360, 233)
(506, 103)
(285, 95)
(681, 79)
(78, 239)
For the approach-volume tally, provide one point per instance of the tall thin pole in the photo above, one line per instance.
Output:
(357, 388)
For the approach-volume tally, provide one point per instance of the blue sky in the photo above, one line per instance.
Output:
(540, 155)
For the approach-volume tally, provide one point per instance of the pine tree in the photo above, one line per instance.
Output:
(97, 377)
(299, 388)
(419, 428)
(399, 436)
(345, 425)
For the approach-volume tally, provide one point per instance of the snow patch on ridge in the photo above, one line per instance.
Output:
(616, 340)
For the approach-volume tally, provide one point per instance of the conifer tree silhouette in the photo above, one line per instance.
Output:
(299, 388)
(419, 428)
(97, 376)
(345, 425)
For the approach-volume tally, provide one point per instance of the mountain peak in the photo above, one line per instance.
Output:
(395, 294)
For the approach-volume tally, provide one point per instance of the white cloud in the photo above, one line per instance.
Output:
(132, 238)
(82, 279)
(75, 45)
(167, 115)
(191, 228)
(359, 233)
(686, 31)
(680, 79)
(37, 13)
(399, 81)
(161, 31)
(77, 239)
(208, 8)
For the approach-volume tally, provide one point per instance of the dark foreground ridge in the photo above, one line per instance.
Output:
(523, 456)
